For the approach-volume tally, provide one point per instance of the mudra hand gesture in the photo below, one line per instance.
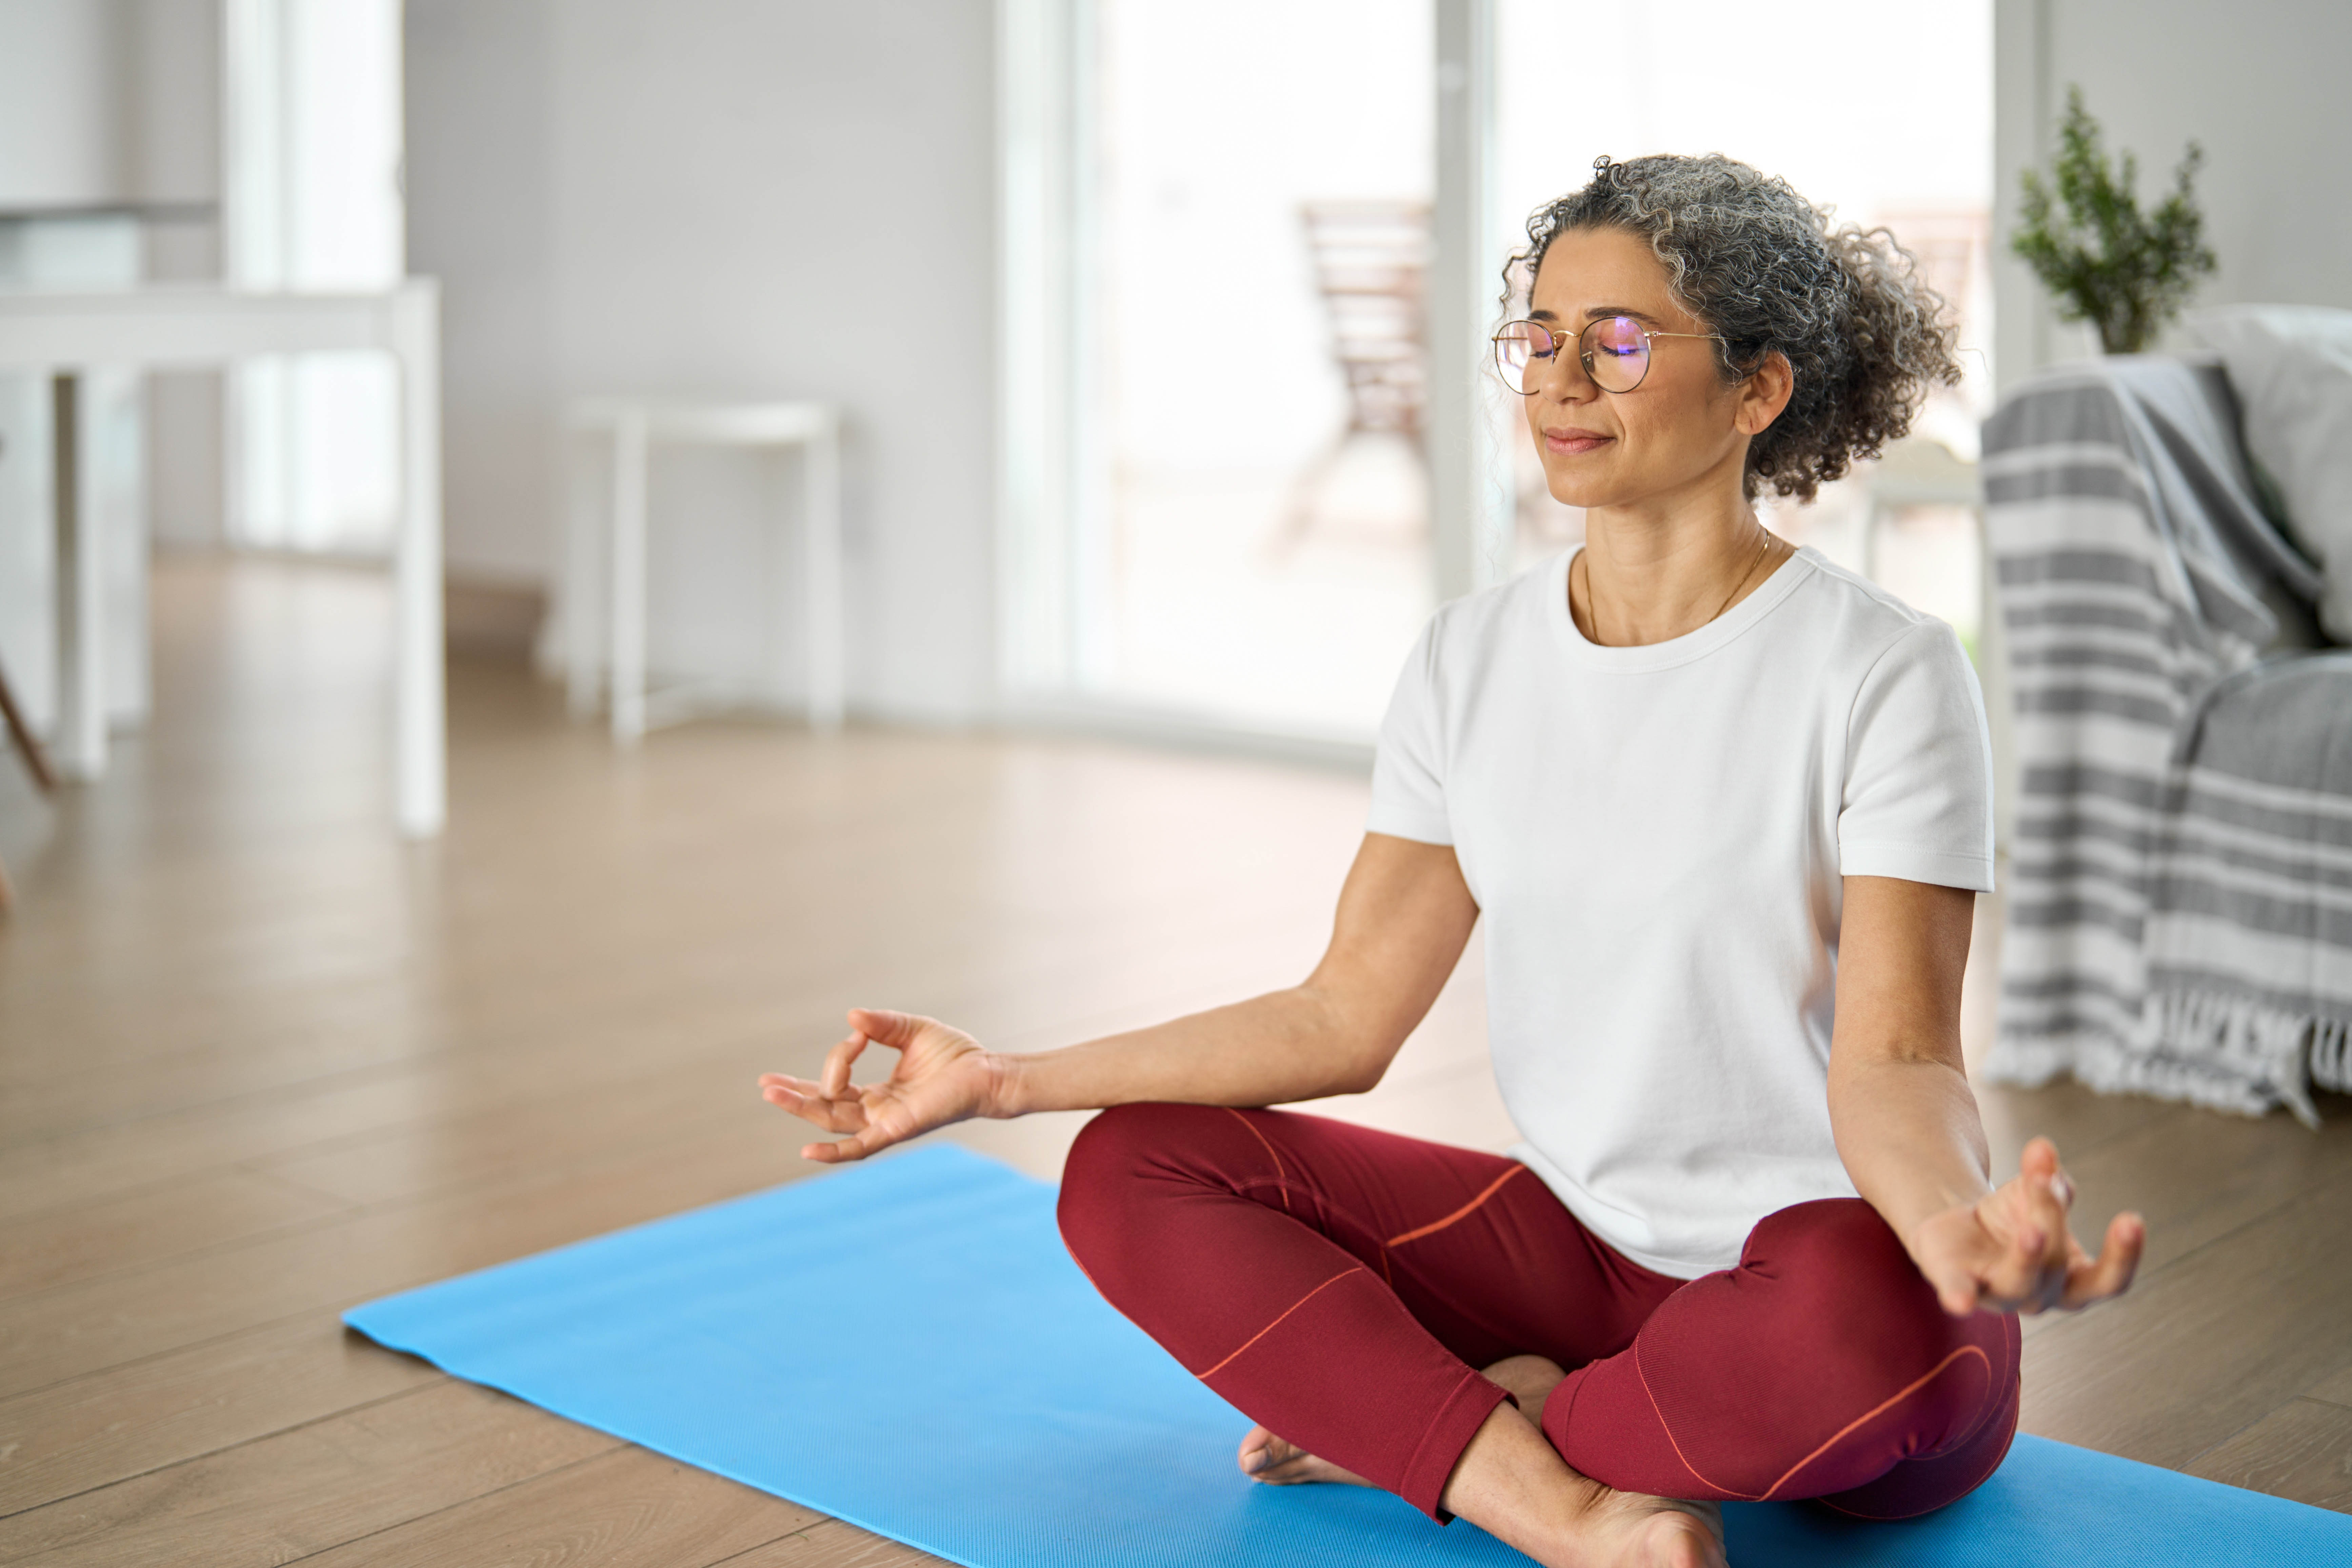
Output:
(942, 1075)
(2012, 1250)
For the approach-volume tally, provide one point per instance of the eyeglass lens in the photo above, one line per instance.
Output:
(1613, 350)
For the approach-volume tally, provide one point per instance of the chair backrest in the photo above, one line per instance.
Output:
(1371, 260)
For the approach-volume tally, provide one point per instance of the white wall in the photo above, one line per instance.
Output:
(2261, 84)
(479, 186)
(174, 108)
(62, 141)
(725, 198)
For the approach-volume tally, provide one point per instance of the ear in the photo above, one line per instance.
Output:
(1764, 395)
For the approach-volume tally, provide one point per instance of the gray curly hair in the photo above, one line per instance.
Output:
(1761, 265)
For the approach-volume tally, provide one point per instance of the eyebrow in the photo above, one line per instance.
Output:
(1596, 312)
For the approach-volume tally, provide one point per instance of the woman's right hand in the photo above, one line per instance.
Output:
(942, 1075)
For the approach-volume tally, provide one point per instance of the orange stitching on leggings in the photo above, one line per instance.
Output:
(1462, 1213)
(1352, 1269)
(1668, 1430)
(1906, 1392)
(1280, 1174)
(1983, 1476)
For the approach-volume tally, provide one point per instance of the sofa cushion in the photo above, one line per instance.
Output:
(2291, 367)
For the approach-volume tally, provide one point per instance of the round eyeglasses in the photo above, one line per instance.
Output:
(1613, 350)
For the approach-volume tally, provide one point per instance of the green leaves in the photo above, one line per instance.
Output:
(2124, 272)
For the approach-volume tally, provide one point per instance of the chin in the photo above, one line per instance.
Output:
(1578, 491)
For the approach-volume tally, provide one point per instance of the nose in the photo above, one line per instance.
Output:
(1564, 378)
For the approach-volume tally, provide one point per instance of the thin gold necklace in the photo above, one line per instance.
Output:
(1593, 595)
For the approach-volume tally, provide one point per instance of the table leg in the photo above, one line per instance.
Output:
(81, 593)
(581, 609)
(420, 734)
(821, 538)
(628, 578)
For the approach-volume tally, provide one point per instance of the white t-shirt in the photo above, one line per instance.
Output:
(1655, 836)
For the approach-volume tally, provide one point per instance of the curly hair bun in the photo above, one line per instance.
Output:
(1761, 265)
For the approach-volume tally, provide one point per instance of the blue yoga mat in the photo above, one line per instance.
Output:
(906, 1345)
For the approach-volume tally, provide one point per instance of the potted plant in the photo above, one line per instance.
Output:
(2124, 271)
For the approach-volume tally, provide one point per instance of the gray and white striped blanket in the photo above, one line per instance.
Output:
(2179, 897)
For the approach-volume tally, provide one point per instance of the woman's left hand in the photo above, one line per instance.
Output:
(2012, 1250)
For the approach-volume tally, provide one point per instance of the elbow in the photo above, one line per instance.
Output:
(1352, 1052)
(1365, 1065)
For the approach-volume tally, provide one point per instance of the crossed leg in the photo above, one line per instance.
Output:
(1343, 1287)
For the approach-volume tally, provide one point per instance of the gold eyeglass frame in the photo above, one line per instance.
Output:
(1584, 351)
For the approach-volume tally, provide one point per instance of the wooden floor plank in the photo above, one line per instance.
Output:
(165, 1221)
(101, 1163)
(626, 1508)
(305, 1490)
(2206, 1347)
(490, 1125)
(79, 1329)
(834, 1544)
(2301, 1450)
(130, 1419)
(2068, 1114)
(435, 1094)
(2336, 1388)
(2198, 1175)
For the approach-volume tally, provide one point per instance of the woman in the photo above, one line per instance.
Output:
(1724, 808)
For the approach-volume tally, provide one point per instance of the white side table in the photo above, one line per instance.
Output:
(633, 425)
(59, 335)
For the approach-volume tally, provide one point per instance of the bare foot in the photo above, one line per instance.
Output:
(1530, 1380)
(1571, 1519)
(1266, 1457)
(1637, 1530)
(1587, 1525)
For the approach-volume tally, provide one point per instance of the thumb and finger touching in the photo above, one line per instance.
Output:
(809, 1102)
(839, 1060)
(881, 1113)
(886, 1027)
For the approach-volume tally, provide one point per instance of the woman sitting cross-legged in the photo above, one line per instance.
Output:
(1724, 808)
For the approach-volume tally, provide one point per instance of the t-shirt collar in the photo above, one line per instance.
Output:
(1768, 595)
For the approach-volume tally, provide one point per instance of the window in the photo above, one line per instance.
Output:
(314, 202)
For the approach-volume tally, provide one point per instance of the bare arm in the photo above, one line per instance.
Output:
(1404, 915)
(1907, 1127)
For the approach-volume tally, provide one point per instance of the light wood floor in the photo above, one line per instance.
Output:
(259, 1062)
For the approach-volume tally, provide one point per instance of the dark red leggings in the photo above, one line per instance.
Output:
(1343, 1286)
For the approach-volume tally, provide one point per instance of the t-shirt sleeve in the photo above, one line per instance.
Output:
(1918, 771)
(1408, 768)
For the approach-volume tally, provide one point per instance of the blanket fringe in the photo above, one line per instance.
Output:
(2331, 1054)
(2275, 1050)
(2201, 1048)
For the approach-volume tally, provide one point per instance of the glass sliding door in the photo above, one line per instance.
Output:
(1250, 506)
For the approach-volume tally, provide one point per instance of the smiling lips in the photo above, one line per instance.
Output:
(1574, 442)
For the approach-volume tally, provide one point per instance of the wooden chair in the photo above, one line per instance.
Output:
(36, 762)
(1371, 266)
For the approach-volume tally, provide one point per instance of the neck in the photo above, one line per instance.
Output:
(1662, 568)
